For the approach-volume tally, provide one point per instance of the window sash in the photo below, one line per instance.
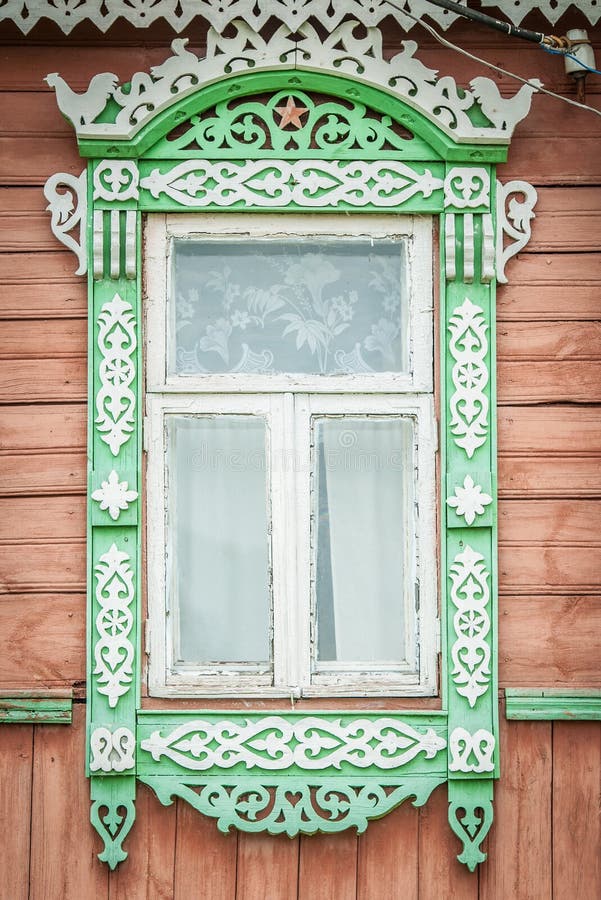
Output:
(294, 670)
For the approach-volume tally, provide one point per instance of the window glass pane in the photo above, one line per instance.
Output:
(217, 515)
(362, 502)
(307, 306)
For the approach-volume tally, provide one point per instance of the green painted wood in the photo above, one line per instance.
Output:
(256, 83)
(293, 805)
(18, 709)
(553, 705)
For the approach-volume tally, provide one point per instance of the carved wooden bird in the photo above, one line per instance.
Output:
(82, 109)
(504, 113)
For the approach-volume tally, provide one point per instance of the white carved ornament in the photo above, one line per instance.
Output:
(113, 650)
(112, 751)
(471, 752)
(470, 652)
(468, 346)
(114, 495)
(341, 52)
(469, 500)
(115, 400)
(275, 183)
(67, 203)
(274, 743)
(467, 187)
(116, 180)
(143, 13)
(514, 219)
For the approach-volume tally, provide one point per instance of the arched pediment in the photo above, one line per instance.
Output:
(137, 114)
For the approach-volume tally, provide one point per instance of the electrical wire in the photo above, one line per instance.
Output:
(572, 56)
(446, 43)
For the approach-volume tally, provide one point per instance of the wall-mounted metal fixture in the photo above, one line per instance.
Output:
(580, 60)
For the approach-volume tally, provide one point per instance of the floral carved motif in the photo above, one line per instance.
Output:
(466, 188)
(470, 653)
(294, 805)
(114, 495)
(514, 220)
(471, 752)
(319, 123)
(310, 184)
(274, 743)
(114, 651)
(112, 751)
(468, 346)
(116, 180)
(67, 204)
(469, 500)
(115, 400)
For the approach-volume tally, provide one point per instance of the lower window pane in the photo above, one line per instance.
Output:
(218, 561)
(363, 537)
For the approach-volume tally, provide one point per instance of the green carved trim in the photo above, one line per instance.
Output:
(112, 814)
(549, 704)
(470, 817)
(248, 84)
(291, 124)
(36, 708)
(293, 805)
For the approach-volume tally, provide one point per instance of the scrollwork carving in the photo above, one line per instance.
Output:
(115, 400)
(470, 652)
(113, 649)
(468, 346)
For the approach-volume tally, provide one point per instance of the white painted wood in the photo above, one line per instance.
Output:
(450, 248)
(98, 244)
(514, 221)
(67, 204)
(471, 752)
(130, 244)
(26, 13)
(488, 248)
(468, 248)
(115, 243)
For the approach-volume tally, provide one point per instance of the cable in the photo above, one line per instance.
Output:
(512, 30)
(485, 62)
(571, 56)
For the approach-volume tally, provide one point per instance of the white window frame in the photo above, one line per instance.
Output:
(287, 402)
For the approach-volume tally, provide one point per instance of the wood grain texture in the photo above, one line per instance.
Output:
(30, 427)
(567, 220)
(550, 522)
(16, 772)
(39, 338)
(40, 284)
(147, 873)
(537, 287)
(549, 641)
(48, 567)
(549, 341)
(203, 856)
(63, 844)
(43, 380)
(563, 381)
(267, 867)
(440, 873)
(549, 430)
(519, 863)
(335, 854)
(576, 810)
(43, 640)
(42, 473)
(388, 856)
(35, 519)
(554, 570)
(544, 477)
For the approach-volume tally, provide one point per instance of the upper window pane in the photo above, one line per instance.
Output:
(308, 306)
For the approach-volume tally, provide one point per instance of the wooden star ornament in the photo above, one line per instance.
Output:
(291, 113)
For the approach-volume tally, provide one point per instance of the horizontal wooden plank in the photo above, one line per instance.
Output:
(566, 220)
(43, 568)
(545, 569)
(39, 116)
(550, 522)
(43, 640)
(27, 162)
(544, 476)
(37, 380)
(42, 473)
(553, 705)
(537, 287)
(33, 339)
(42, 518)
(547, 341)
(549, 430)
(36, 710)
(549, 641)
(548, 382)
(52, 428)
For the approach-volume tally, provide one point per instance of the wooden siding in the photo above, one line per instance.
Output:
(546, 839)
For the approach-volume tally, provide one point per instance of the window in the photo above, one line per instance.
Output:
(291, 484)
